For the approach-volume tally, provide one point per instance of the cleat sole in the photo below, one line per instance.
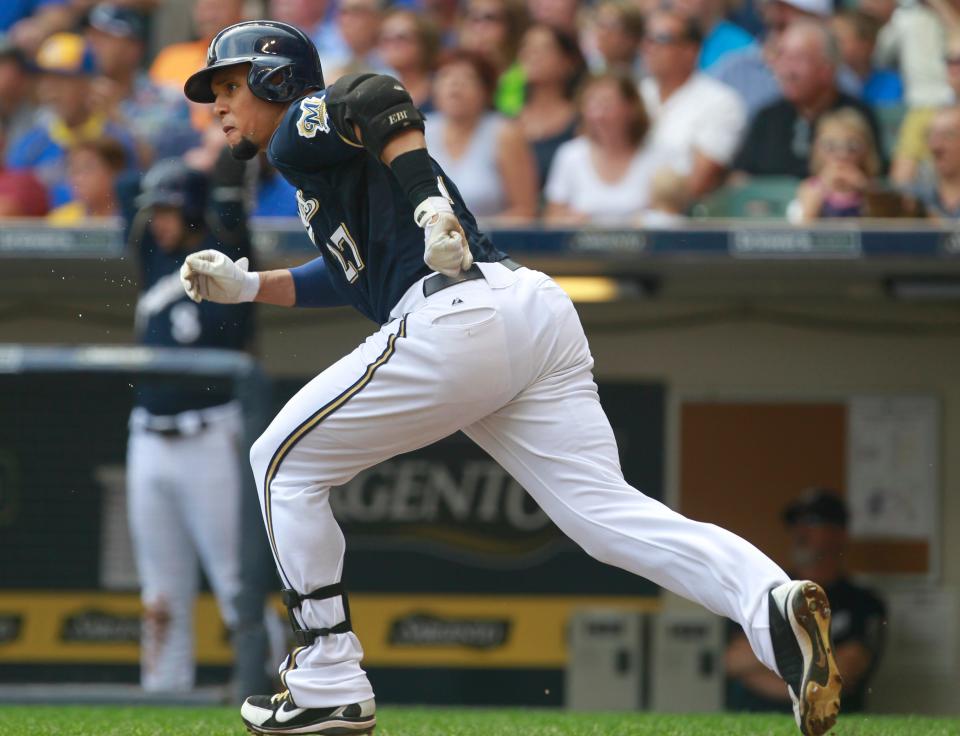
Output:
(819, 697)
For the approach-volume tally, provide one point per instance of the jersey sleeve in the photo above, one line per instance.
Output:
(313, 287)
(307, 139)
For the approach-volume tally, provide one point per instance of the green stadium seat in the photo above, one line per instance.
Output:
(890, 118)
(760, 197)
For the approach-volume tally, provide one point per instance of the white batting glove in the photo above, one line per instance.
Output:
(210, 275)
(446, 247)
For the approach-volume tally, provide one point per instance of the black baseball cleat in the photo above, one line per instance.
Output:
(269, 714)
(800, 630)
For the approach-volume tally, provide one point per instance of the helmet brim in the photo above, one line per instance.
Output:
(198, 87)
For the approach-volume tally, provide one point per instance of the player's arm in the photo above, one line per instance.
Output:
(213, 276)
(375, 111)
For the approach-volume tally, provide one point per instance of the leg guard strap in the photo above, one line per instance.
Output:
(292, 599)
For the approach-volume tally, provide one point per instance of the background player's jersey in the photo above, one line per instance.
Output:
(355, 211)
(166, 317)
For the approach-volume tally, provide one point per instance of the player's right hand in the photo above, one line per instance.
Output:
(446, 249)
(210, 275)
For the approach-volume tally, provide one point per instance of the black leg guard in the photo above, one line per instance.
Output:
(305, 637)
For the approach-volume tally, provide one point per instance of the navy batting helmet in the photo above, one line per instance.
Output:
(284, 63)
(172, 183)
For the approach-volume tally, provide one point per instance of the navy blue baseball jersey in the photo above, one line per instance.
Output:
(166, 317)
(355, 211)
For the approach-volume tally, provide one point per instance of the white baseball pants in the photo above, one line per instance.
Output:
(505, 360)
(183, 504)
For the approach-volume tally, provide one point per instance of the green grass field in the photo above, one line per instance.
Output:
(152, 721)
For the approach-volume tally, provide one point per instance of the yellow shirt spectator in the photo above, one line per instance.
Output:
(67, 214)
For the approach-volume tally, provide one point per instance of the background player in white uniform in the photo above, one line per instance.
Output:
(183, 464)
(484, 346)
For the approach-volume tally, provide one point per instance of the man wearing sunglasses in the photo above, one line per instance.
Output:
(697, 121)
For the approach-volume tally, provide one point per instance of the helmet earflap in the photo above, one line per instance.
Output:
(273, 84)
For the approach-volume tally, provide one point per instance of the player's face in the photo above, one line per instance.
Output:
(167, 226)
(247, 121)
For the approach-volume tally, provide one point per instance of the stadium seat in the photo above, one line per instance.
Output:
(762, 196)
(890, 118)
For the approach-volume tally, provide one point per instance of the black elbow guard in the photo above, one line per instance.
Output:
(375, 103)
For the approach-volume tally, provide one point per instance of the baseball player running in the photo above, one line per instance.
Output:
(183, 457)
(469, 340)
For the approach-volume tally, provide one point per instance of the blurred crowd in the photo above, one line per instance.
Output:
(617, 112)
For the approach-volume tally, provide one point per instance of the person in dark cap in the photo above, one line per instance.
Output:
(159, 118)
(817, 524)
(178, 518)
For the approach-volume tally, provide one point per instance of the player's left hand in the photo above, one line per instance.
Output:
(446, 249)
(210, 275)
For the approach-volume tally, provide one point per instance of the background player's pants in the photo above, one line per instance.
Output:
(506, 360)
(183, 503)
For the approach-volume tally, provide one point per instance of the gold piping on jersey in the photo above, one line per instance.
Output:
(329, 408)
(348, 141)
(291, 665)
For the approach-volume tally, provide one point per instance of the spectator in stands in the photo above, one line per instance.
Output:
(317, 19)
(697, 121)
(780, 138)
(553, 66)
(177, 62)
(359, 25)
(817, 524)
(92, 170)
(856, 33)
(157, 116)
(67, 66)
(493, 29)
(561, 14)
(604, 176)
(409, 45)
(844, 165)
(720, 36)
(911, 160)
(17, 108)
(617, 35)
(30, 22)
(445, 16)
(750, 70)
(912, 39)
(484, 152)
(941, 193)
(21, 192)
